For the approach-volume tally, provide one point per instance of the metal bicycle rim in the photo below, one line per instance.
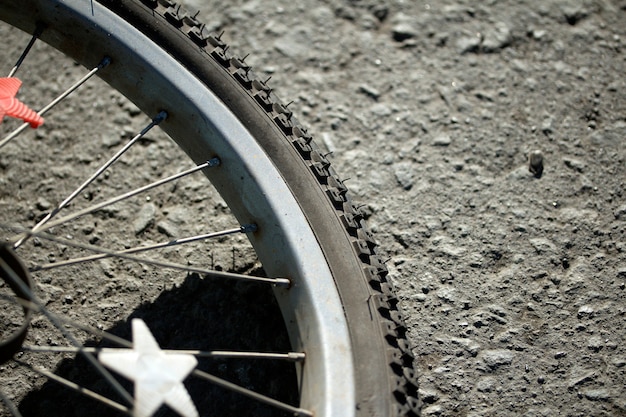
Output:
(248, 181)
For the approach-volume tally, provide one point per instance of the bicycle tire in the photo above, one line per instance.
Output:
(384, 381)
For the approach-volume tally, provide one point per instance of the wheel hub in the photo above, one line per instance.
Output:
(16, 287)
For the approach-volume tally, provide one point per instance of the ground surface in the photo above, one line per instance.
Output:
(512, 283)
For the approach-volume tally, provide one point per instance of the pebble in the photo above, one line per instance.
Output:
(43, 204)
(598, 394)
(585, 312)
(535, 163)
(111, 140)
(469, 345)
(443, 139)
(404, 28)
(542, 245)
(405, 174)
(107, 268)
(580, 377)
(428, 396)
(448, 249)
(573, 10)
(433, 410)
(486, 384)
(575, 164)
(595, 343)
(145, 218)
(167, 228)
(547, 125)
(447, 294)
(369, 91)
(497, 37)
(468, 44)
(618, 362)
(497, 357)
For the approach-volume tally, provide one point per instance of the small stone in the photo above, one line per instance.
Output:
(145, 218)
(595, 343)
(369, 91)
(380, 11)
(404, 28)
(419, 297)
(574, 164)
(442, 139)
(111, 140)
(542, 245)
(585, 312)
(535, 163)
(167, 228)
(486, 384)
(468, 44)
(43, 204)
(618, 362)
(599, 394)
(469, 345)
(574, 11)
(496, 38)
(405, 175)
(447, 294)
(433, 410)
(580, 378)
(107, 268)
(547, 125)
(497, 357)
(429, 396)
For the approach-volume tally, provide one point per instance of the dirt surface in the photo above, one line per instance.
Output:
(512, 281)
(512, 285)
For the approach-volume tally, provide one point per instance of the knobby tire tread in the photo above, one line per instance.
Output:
(402, 378)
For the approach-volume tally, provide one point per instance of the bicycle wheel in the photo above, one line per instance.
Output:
(334, 295)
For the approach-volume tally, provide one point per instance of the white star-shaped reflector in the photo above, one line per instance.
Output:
(158, 375)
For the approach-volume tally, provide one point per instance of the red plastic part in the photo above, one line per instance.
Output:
(11, 106)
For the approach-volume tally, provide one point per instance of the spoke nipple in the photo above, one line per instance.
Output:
(105, 61)
(249, 228)
(160, 117)
(213, 162)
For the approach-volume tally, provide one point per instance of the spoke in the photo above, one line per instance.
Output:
(285, 282)
(242, 229)
(211, 163)
(158, 119)
(73, 386)
(254, 395)
(33, 39)
(289, 356)
(57, 100)
(57, 323)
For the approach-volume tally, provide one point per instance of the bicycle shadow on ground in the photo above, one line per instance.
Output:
(205, 314)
